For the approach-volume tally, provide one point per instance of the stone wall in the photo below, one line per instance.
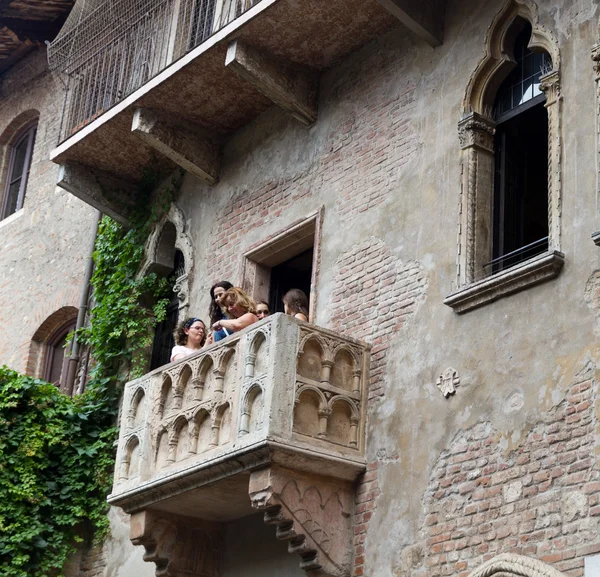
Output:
(508, 462)
(383, 162)
(43, 247)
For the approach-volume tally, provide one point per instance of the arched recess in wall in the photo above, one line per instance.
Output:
(47, 357)
(21, 128)
(509, 565)
(169, 253)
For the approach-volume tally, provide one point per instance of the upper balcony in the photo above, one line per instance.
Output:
(178, 77)
(270, 419)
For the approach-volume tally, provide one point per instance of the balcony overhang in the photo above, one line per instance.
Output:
(270, 419)
(271, 54)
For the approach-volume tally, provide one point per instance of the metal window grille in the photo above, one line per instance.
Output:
(108, 49)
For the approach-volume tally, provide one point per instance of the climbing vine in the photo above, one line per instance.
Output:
(57, 452)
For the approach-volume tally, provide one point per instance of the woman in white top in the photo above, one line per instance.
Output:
(189, 338)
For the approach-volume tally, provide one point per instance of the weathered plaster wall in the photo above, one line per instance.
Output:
(43, 246)
(251, 549)
(384, 161)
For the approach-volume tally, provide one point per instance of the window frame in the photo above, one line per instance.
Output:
(28, 133)
(476, 129)
(51, 345)
(278, 248)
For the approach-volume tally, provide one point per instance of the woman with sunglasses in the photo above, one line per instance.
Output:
(189, 338)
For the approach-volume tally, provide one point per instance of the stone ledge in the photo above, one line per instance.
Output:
(596, 237)
(536, 270)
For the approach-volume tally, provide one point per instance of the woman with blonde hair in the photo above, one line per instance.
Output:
(241, 311)
(189, 338)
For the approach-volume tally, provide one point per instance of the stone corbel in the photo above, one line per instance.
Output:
(186, 147)
(111, 196)
(289, 86)
(178, 545)
(312, 513)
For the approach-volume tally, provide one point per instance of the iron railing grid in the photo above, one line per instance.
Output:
(130, 54)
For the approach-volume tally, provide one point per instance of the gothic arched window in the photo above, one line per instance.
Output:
(510, 138)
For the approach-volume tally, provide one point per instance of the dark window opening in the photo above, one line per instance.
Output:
(57, 356)
(163, 336)
(520, 208)
(18, 172)
(293, 273)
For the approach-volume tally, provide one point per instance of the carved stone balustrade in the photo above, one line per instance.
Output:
(270, 419)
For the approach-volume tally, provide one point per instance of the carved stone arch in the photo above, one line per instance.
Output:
(184, 378)
(135, 403)
(128, 456)
(310, 418)
(258, 339)
(342, 429)
(170, 234)
(219, 424)
(342, 399)
(476, 284)
(312, 337)
(161, 445)
(498, 59)
(310, 388)
(515, 565)
(179, 447)
(252, 398)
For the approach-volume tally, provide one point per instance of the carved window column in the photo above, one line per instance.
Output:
(550, 85)
(476, 134)
(596, 59)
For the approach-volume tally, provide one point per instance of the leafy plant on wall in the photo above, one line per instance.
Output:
(57, 452)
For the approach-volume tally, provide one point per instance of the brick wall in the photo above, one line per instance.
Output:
(42, 250)
(542, 499)
(374, 295)
(366, 503)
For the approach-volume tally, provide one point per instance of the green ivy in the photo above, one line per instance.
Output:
(57, 452)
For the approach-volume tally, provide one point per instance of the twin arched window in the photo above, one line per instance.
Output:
(19, 165)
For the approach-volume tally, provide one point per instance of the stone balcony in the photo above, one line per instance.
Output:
(270, 419)
(157, 92)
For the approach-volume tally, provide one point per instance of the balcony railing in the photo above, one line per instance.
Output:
(281, 392)
(115, 49)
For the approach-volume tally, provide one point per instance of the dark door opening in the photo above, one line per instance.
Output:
(293, 273)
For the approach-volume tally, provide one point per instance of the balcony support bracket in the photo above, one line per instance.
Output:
(178, 545)
(292, 88)
(186, 147)
(108, 194)
(425, 19)
(310, 512)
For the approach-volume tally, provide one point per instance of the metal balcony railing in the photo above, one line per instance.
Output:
(279, 387)
(110, 49)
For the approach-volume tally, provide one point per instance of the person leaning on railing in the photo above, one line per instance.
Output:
(241, 311)
(190, 336)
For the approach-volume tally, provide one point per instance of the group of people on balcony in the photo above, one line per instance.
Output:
(231, 310)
